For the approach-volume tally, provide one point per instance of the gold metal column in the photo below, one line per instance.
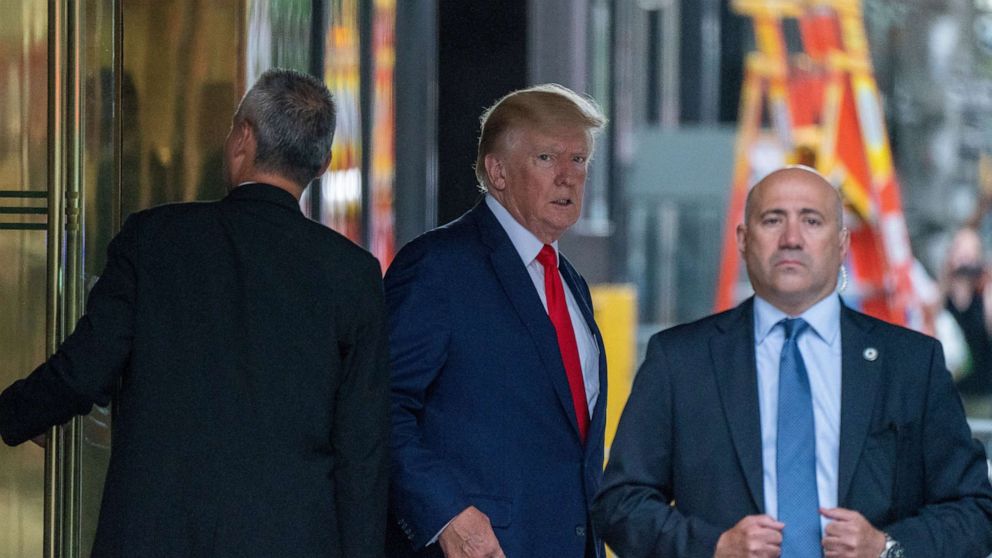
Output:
(73, 134)
(58, 52)
(84, 103)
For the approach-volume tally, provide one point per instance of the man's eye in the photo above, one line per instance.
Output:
(579, 158)
(544, 157)
(814, 222)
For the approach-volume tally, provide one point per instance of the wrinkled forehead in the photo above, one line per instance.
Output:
(560, 136)
(794, 189)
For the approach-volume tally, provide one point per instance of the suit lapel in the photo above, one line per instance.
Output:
(585, 305)
(573, 281)
(732, 352)
(519, 288)
(859, 386)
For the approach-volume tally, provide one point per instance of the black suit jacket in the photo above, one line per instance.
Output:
(686, 463)
(252, 417)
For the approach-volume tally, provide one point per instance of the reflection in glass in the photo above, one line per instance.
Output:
(23, 173)
(99, 211)
(179, 111)
(382, 237)
(341, 187)
(278, 36)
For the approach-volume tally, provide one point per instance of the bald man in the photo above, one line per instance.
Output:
(792, 425)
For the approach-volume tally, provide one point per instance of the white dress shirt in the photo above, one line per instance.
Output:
(821, 351)
(528, 246)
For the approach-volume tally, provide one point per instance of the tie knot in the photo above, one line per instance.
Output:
(794, 327)
(547, 257)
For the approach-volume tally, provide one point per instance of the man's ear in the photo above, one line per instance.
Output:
(741, 237)
(326, 165)
(495, 171)
(239, 152)
(243, 139)
(845, 241)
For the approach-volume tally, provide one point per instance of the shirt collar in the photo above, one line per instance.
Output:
(823, 318)
(264, 192)
(524, 241)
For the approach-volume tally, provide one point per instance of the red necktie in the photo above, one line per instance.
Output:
(558, 312)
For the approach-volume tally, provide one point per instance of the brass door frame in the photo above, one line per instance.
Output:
(65, 285)
(58, 52)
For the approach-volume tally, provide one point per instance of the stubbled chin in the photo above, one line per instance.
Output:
(561, 221)
(790, 270)
(564, 213)
(567, 209)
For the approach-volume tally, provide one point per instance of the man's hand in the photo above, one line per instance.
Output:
(470, 535)
(755, 536)
(850, 535)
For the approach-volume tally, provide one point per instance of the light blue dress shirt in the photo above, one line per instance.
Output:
(528, 246)
(820, 347)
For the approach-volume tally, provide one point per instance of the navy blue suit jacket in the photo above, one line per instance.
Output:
(686, 463)
(481, 410)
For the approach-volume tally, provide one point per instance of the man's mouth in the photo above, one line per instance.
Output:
(564, 202)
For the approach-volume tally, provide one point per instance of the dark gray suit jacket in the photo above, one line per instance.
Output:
(686, 462)
(252, 417)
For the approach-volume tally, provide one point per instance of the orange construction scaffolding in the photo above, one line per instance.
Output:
(824, 110)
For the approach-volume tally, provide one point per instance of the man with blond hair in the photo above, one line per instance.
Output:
(498, 369)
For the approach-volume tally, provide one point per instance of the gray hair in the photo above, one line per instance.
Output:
(293, 116)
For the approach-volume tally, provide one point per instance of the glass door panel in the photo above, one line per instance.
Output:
(178, 98)
(97, 181)
(23, 202)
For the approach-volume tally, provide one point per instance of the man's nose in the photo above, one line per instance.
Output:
(567, 174)
(792, 236)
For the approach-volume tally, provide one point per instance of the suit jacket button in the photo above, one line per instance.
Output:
(580, 530)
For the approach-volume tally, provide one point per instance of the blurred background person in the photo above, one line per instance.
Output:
(967, 297)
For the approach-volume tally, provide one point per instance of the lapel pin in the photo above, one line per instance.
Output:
(870, 354)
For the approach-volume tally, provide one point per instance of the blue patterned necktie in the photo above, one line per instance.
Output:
(795, 456)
